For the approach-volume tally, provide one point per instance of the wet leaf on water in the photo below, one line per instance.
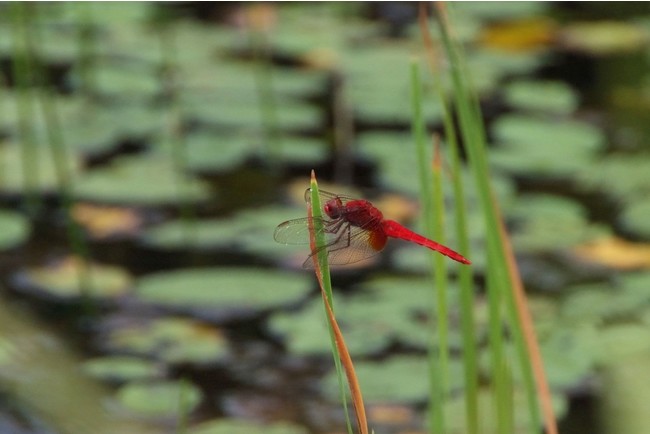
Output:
(623, 176)
(603, 37)
(233, 109)
(523, 35)
(170, 340)
(62, 280)
(14, 229)
(616, 253)
(106, 221)
(397, 379)
(235, 426)
(570, 355)
(229, 291)
(149, 180)
(44, 176)
(502, 11)
(635, 218)
(395, 156)
(546, 222)
(386, 311)
(122, 368)
(554, 97)
(248, 231)
(620, 341)
(306, 333)
(598, 302)
(383, 98)
(127, 81)
(532, 145)
(160, 399)
(455, 411)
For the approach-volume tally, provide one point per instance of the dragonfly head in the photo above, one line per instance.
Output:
(333, 208)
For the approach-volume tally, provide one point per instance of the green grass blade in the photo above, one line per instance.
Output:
(499, 288)
(430, 194)
(325, 280)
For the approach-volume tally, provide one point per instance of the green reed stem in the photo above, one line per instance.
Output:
(499, 285)
(465, 275)
(326, 281)
(25, 81)
(61, 161)
(438, 351)
(175, 132)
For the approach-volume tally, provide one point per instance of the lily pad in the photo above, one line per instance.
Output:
(623, 340)
(546, 222)
(170, 340)
(604, 37)
(121, 368)
(380, 315)
(383, 98)
(570, 355)
(64, 280)
(624, 177)
(236, 426)
(603, 303)
(397, 379)
(226, 291)
(532, 145)
(545, 96)
(14, 229)
(635, 219)
(43, 178)
(160, 399)
(127, 81)
(150, 181)
(249, 231)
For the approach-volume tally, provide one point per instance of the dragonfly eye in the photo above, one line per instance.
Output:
(333, 210)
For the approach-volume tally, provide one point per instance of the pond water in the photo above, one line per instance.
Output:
(148, 151)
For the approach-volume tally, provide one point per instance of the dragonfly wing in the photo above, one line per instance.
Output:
(297, 231)
(351, 244)
(292, 232)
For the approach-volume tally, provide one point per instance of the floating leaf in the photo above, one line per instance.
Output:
(548, 96)
(226, 290)
(14, 229)
(635, 218)
(171, 340)
(149, 181)
(546, 222)
(160, 399)
(235, 426)
(604, 37)
(624, 177)
(106, 221)
(522, 35)
(396, 379)
(127, 81)
(455, 411)
(570, 355)
(63, 280)
(530, 145)
(623, 340)
(121, 368)
(45, 177)
(616, 253)
(249, 231)
(371, 320)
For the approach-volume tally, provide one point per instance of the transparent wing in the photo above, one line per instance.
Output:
(293, 232)
(350, 244)
(326, 195)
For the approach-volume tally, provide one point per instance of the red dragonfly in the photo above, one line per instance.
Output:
(354, 230)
